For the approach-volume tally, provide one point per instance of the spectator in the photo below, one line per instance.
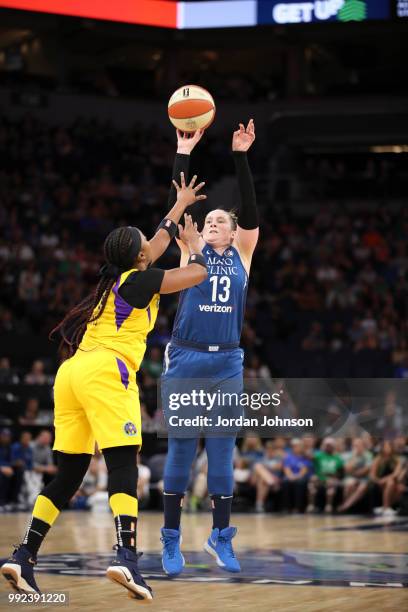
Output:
(36, 376)
(267, 474)
(33, 416)
(297, 469)
(7, 375)
(29, 283)
(242, 473)
(22, 464)
(400, 486)
(22, 452)
(391, 424)
(43, 462)
(309, 445)
(93, 494)
(356, 469)
(401, 448)
(281, 447)
(251, 449)
(328, 468)
(385, 468)
(341, 449)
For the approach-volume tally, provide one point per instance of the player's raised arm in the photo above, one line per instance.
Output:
(248, 217)
(185, 144)
(185, 196)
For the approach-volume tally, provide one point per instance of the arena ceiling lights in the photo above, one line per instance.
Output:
(211, 13)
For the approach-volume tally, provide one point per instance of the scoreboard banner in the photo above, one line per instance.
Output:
(293, 11)
(218, 13)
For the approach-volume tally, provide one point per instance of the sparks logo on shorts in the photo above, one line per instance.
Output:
(130, 429)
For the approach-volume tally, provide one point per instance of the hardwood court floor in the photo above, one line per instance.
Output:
(89, 535)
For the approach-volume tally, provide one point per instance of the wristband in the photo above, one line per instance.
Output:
(197, 258)
(168, 225)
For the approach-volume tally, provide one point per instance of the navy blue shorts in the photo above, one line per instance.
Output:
(201, 384)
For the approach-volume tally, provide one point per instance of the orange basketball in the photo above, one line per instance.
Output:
(191, 108)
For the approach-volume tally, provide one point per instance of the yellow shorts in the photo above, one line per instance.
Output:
(96, 399)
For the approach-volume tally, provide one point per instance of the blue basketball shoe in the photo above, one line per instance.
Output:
(219, 546)
(124, 571)
(18, 570)
(172, 559)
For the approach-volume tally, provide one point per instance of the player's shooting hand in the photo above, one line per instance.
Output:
(189, 233)
(243, 138)
(186, 141)
(188, 194)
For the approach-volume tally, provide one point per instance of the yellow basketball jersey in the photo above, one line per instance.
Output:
(122, 328)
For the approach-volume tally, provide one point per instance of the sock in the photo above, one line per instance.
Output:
(221, 508)
(125, 510)
(44, 515)
(126, 531)
(173, 503)
(35, 534)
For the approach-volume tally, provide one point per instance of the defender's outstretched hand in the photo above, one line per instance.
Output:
(243, 138)
(189, 233)
(187, 194)
(186, 141)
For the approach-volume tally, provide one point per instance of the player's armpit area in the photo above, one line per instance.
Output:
(139, 287)
(245, 241)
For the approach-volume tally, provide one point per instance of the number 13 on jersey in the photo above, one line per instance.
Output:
(220, 288)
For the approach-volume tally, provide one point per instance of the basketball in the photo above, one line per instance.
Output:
(191, 108)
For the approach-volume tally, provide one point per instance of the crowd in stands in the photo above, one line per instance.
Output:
(360, 475)
(331, 475)
(328, 287)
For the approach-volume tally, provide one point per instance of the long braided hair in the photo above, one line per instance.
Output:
(120, 250)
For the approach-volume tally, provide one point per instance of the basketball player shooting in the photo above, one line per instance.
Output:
(205, 344)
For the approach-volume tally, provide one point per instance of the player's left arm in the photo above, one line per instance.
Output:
(247, 232)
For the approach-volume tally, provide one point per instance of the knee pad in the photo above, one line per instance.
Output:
(122, 469)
